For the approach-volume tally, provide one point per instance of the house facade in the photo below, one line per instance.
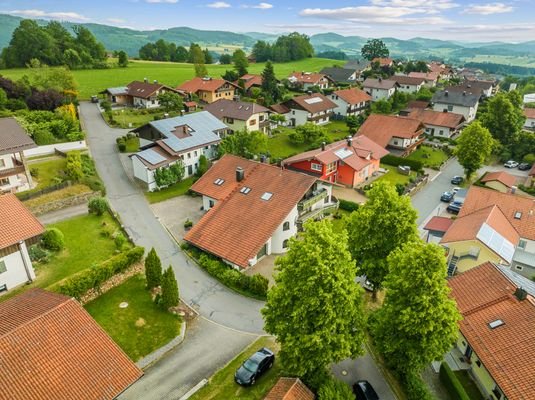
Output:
(209, 89)
(137, 94)
(408, 84)
(341, 75)
(380, 89)
(314, 108)
(529, 124)
(457, 103)
(441, 124)
(179, 140)
(20, 229)
(499, 180)
(308, 80)
(14, 173)
(240, 115)
(359, 66)
(350, 102)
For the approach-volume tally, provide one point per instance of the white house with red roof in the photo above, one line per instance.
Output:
(380, 89)
(314, 108)
(529, 113)
(137, 94)
(350, 102)
(439, 123)
(307, 80)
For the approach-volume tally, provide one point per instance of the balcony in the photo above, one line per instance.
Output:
(321, 116)
(18, 169)
(313, 199)
(318, 213)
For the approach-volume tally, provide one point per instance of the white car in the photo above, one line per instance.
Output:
(455, 189)
(510, 164)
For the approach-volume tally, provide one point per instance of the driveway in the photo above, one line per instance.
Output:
(174, 212)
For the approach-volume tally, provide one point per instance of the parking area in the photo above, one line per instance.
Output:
(174, 212)
(265, 267)
(348, 194)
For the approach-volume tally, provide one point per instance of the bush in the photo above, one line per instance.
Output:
(38, 254)
(34, 172)
(122, 147)
(92, 278)
(74, 166)
(397, 161)
(98, 205)
(120, 241)
(333, 389)
(415, 388)
(188, 224)
(348, 205)
(452, 384)
(53, 239)
(169, 296)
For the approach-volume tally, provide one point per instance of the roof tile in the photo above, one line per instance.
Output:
(289, 389)
(382, 128)
(17, 222)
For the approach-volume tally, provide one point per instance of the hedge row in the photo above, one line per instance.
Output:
(395, 161)
(91, 278)
(348, 205)
(415, 387)
(452, 384)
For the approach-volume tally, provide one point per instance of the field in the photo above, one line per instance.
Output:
(506, 60)
(92, 81)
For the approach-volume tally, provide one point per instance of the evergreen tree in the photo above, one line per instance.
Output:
(170, 296)
(474, 146)
(270, 86)
(153, 269)
(208, 59)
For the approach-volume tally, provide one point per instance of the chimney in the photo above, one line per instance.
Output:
(239, 174)
(349, 141)
(323, 146)
(446, 93)
(380, 79)
(521, 294)
(513, 189)
(309, 92)
(445, 110)
(464, 92)
(302, 73)
(145, 80)
(262, 158)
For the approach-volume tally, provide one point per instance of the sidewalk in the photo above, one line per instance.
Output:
(63, 214)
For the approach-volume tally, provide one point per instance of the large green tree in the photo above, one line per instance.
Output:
(244, 144)
(474, 146)
(170, 101)
(374, 48)
(153, 269)
(504, 117)
(170, 297)
(29, 41)
(270, 85)
(381, 225)
(315, 309)
(418, 321)
(197, 58)
(308, 133)
(239, 59)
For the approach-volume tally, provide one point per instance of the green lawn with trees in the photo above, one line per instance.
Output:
(430, 157)
(46, 173)
(178, 189)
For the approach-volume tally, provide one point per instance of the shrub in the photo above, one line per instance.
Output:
(120, 241)
(153, 269)
(397, 161)
(333, 389)
(188, 224)
(452, 384)
(98, 205)
(38, 254)
(415, 388)
(170, 296)
(34, 172)
(348, 205)
(121, 146)
(53, 239)
(74, 166)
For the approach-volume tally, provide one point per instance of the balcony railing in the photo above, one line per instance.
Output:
(321, 116)
(317, 213)
(307, 203)
(19, 169)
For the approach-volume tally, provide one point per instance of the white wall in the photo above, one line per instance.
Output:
(50, 148)
(146, 103)
(469, 113)
(441, 131)
(16, 273)
(280, 235)
(14, 183)
(380, 94)
(206, 202)
(409, 88)
(530, 123)
(300, 117)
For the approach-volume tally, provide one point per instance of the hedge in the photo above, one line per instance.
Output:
(452, 384)
(348, 205)
(91, 278)
(395, 161)
(415, 387)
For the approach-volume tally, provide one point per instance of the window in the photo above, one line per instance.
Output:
(293, 112)
(497, 392)
(522, 244)
(316, 167)
(331, 167)
(230, 121)
(2, 267)
(478, 363)
(245, 190)
(211, 203)
(2, 163)
(4, 181)
(395, 142)
(450, 108)
(195, 153)
(286, 226)
(285, 244)
(252, 122)
(189, 155)
(519, 267)
(261, 118)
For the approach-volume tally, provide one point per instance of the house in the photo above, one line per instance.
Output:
(253, 209)
(441, 69)
(408, 84)
(137, 94)
(20, 229)
(350, 102)
(464, 89)
(431, 78)
(499, 180)
(456, 102)
(380, 89)
(383, 61)
(496, 336)
(307, 80)
(436, 227)
(290, 389)
(529, 113)
(176, 140)
(250, 81)
(442, 124)
(208, 89)
(314, 108)
(341, 75)
(359, 66)
(402, 135)
(239, 115)
(51, 348)
(348, 162)
(14, 173)
(487, 88)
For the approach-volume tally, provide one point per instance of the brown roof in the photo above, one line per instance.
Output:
(500, 176)
(312, 103)
(418, 104)
(289, 389)
(51, 348)
(430, 117)
(17, 222)
(383, 61)
(309, 77)
(145, 89)
(379, 83)
(382, 128)
(484, 295)
(438, 224)
(13, 138)
(510, 204)
(237, 227)
(240, 110)
(428, 76)
(280, 108)
(353, 95)
(529, 112)
(206, 84)
(250, 80)
(407, 80)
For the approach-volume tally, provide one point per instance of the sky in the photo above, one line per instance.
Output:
(473, 21)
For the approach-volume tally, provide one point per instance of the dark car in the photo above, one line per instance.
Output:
(254, 367)
(94, 99)
(447, 196)
(454, 207)
(456, 180)
(364, 391)
(524, 166)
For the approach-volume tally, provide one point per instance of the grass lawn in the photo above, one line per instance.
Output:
(339, 224)
(132, 118)
(469, 385)
(393, 176)
(92, 81)
(132, 145)
(428, 156)
(47, 171)
(140, 328)
(222, 386)
(177, 189)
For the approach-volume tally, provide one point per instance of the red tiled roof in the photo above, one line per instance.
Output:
(428, 76)
(250, 80)
(237, 227)
(312, 103)
(383, 61)
(438, 224)
(289, 389)
(308, 77)
(510, 204)
(418, 104)
(483, 295)
(145, 89)
(206, 84)
(17, 222)
(382, 128)
(51, 348)
(353, 95)
(280, 108)
(437, 118)
(529, 112)
(500, 176)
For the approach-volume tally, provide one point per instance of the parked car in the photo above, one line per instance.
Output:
(510, 164)
(365, 391)
(94, 99)
(524, 166)
(454, 207)
(447, 196)
(457, 180)
(254, 367)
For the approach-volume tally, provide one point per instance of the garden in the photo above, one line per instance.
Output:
(177, 189)
(129, 118)
(430, 157)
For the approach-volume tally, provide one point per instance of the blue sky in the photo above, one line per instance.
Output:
(476, 20)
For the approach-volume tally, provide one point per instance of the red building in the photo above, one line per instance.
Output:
(348, 162)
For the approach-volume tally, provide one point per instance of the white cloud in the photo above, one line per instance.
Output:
(260, 6)
(162, 1)
(487, 9)
(61, 15)
(219, 4)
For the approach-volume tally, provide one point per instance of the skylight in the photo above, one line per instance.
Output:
(219, 181)
(496, 323)
(266, 196)
(313, 100)
(245, 190)
(518, 215)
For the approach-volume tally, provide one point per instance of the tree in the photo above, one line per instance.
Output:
(170, 297)
(3, 99)
(29, 41)
(270, 85)
(72, 58)
(418, 321)
(153, 269)
(208, 59)
(203, 165)
(230, 75)
(384, 223)
(315, 309)
(43, 77)
(333, 389)
(244, 144)
(170, 101)
(53, 239)
(374, 48)
(474, 146)
(502, 118)
(308, 133)
(87, 41)
(225, 59)
(97, 206)
(381, 107)
(170, 175)
(239, 59)
(197, 58)
(48, 99)
(74, 166)
(122, 59)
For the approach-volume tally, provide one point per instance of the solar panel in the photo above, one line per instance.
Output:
(313, 100)
(496, 242)
(343, 153)
(151, 156)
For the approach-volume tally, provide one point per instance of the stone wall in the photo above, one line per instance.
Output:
(63, 203)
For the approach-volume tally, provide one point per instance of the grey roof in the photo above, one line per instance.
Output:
(519, 280)
(13, 138)
(379, 83)
(151, 156)
(338, 74)
(117, 90)
(524, 257)
(240, 110)
(455, 98)
(357, 65)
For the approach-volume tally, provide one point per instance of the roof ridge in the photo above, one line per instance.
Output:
(502, 298)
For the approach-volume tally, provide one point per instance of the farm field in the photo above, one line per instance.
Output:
(92, 81)
(506, 60)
